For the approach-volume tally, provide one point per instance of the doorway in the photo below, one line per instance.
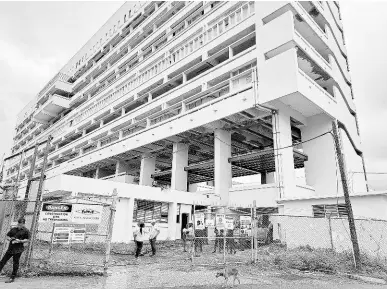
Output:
(184, 221)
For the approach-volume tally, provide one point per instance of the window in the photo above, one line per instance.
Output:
(145, 211)
(125, 18)
(325, 211)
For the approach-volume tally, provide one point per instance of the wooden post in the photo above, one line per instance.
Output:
(110, 231)
(38, 204)
(29, 177)
(351, 221)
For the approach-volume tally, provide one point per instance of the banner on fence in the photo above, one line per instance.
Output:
(229, 223)
(199, 221)
(220, 221)
(79, 213)
(87, 214)
(245, 222)
(56, 213)
(68, 233)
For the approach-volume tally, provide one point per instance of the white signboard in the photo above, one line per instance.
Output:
(87, 214)
(229, 223)
(220, 221)
(245, 222)
(66, 233)
(199, 221)
(210, 223)
(56, 212)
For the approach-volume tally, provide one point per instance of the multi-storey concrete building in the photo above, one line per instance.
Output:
(191, 95)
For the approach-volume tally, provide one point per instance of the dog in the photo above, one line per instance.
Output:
(228, 273)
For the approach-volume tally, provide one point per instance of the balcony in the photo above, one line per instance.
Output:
(51, 109)
(57, 85)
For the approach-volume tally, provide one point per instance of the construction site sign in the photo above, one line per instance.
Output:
(220, 221)
(229, 223)
(87, 214)
(68, 233)
(199, 221)
(56, 212)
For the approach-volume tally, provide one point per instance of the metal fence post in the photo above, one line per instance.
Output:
(224, 244)
(254, 231)
(252, 238)
(330, 231)
(194, 238)
(110, 231)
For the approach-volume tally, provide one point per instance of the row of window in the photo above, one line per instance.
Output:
(107, 37)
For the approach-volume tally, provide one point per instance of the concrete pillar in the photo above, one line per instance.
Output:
(284, 162)
(148, 165)
(222, 168)
(320, 169)
(172, 212)
(179, 161)
(122, 228)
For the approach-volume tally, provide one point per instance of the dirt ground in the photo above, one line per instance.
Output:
(155, 277)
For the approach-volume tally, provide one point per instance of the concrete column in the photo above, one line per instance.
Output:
(122, 228)
(172, 212)
(222, 168)
(320, 169)
(284, 163)
(148, 165)
(179, 161)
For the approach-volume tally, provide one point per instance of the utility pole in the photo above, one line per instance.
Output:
(38, 202)
(351, 221)
(29, 180)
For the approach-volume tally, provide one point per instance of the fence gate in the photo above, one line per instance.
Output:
(71, 233)
(222, 237)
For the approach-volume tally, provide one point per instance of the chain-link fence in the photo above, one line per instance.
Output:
(68, 234)
(221, 237)
(80, 242)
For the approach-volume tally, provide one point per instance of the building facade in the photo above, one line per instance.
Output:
(194, 97)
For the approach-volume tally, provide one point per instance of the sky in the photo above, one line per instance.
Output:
(38, 38)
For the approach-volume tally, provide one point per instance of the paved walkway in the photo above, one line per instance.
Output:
(203, 278)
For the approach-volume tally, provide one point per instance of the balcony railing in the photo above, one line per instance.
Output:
(187, 48)
(304, 41)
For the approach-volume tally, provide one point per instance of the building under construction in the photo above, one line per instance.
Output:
(209, 103)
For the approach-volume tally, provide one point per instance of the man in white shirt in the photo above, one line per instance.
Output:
(154, 232)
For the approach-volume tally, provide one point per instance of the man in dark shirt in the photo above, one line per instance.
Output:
(17, 237)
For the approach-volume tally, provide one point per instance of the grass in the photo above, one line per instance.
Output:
(170, 253)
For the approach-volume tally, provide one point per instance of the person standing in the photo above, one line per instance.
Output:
(190, 236)
(139, 239)
(155, 231)
(17, 237)
(184, 237)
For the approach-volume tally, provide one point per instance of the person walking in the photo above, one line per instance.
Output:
(139, 239)
(17, 237)
(155, 231)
